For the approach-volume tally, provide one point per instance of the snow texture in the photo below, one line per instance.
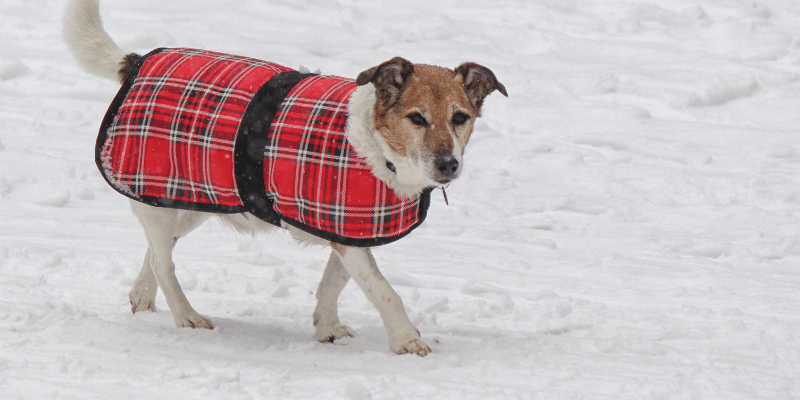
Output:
(627, 226)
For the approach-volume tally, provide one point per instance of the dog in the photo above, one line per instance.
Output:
(194, 134)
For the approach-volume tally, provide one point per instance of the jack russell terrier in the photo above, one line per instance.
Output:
(347, 164)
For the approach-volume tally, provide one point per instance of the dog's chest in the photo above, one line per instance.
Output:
(220, 133)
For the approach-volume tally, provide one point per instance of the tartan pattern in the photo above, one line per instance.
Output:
(174, 134)
(173, 137)
(314, 176)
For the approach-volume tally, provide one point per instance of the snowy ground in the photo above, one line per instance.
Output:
(627, 226)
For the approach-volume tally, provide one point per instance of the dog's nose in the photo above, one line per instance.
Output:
(447, 166)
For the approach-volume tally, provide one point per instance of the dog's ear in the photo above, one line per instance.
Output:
(389, 79)
(479, 82)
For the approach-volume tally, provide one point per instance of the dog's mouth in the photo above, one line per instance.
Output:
(440, 172)
(444, 181)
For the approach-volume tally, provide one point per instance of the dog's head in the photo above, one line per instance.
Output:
(424, 116)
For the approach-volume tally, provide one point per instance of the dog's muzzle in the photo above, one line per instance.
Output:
(446, 169)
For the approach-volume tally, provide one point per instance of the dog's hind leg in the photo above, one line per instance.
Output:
(163, 227)
(326, 315)
(143, 292)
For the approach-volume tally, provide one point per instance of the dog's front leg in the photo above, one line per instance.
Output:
(404, 338)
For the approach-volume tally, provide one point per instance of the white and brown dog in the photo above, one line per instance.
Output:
(260, 146)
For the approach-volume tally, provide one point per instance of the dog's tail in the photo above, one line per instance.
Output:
(89, 42)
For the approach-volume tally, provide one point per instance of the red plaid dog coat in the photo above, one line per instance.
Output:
(213, 132)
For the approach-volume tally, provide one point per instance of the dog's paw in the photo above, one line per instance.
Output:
(332, 332)
(143, 296)
(194, 321)
(142, 305)
(141, 302)
(412, 346)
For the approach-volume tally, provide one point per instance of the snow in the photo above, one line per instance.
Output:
(626, 228)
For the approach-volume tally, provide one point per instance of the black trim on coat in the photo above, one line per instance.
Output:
(251, 140)
(424, 203)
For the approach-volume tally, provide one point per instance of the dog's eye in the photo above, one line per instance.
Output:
(460, 118)
(417, 119)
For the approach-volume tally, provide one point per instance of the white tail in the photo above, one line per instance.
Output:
(89, 42)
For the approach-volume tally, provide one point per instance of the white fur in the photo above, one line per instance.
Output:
(96, 52)
(90, 44)
(164, 226)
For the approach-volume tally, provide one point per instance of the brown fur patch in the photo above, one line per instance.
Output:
(128, 66)
(339, 248)
(436, 93)
(479, 82)
(389, 79)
